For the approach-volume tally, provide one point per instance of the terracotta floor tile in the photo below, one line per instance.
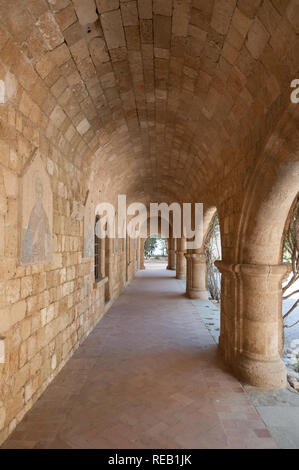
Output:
(148, 376)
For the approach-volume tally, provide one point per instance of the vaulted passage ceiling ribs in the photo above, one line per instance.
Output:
(174, 93)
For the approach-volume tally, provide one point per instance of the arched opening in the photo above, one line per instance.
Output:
(209, 310)
(290, 298)
(251, 307)
(213, 252)
(107, 269)
(99, 254)
(203, 278)
(155, 252)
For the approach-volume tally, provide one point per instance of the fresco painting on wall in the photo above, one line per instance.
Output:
(36, 214)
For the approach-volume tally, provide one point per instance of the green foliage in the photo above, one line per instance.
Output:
(149, 246)
(155, 242)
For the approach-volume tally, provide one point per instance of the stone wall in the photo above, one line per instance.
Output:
(46, 309)
(48, 304)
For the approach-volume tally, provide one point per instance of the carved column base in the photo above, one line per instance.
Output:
(180, 276)
(267, 374)
(198, 294)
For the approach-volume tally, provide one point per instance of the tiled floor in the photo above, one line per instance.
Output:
(146, 377)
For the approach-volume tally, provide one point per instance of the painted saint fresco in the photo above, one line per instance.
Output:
(37, 215)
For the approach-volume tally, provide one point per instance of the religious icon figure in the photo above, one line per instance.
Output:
(37, 237)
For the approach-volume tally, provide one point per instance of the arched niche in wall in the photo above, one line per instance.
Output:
(36, 214)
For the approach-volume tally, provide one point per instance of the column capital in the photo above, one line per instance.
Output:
(196, 257)
(252, 269)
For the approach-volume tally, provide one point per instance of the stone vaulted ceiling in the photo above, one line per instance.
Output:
(160, 98)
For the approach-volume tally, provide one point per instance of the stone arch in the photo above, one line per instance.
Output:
(270, 195)
(251, 317)
(209, 249)
(170, 242)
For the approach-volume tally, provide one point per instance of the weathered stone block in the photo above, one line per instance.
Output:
(180, 18)
(257, 39)
(293, 14)
(107, 5)
(86, 11)
(162, 7)
(222, 15)
(50, 31)
(113, 29)
(11, 184)
(66, 17)
(18, 312)
(129, 13)
(162, 31)
(4, 320)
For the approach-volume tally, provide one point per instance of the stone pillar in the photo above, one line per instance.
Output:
(251, 322)
(196, 285)
(171, 254)
(142, 240)
(180, 259)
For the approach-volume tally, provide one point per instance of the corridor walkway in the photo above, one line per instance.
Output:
(146, 377)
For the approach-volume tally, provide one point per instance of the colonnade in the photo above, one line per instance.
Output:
(251, 319)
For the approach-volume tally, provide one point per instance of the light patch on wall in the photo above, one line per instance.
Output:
(2, 92)
(10, 85)
(8, 88)
(2, 350)
(2, 415)
(83, 126)
(53, 362)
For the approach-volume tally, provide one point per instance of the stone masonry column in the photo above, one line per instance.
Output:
(171, 254)
(196, 285)
(251, 322)
(180, 258)
(142, 240)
